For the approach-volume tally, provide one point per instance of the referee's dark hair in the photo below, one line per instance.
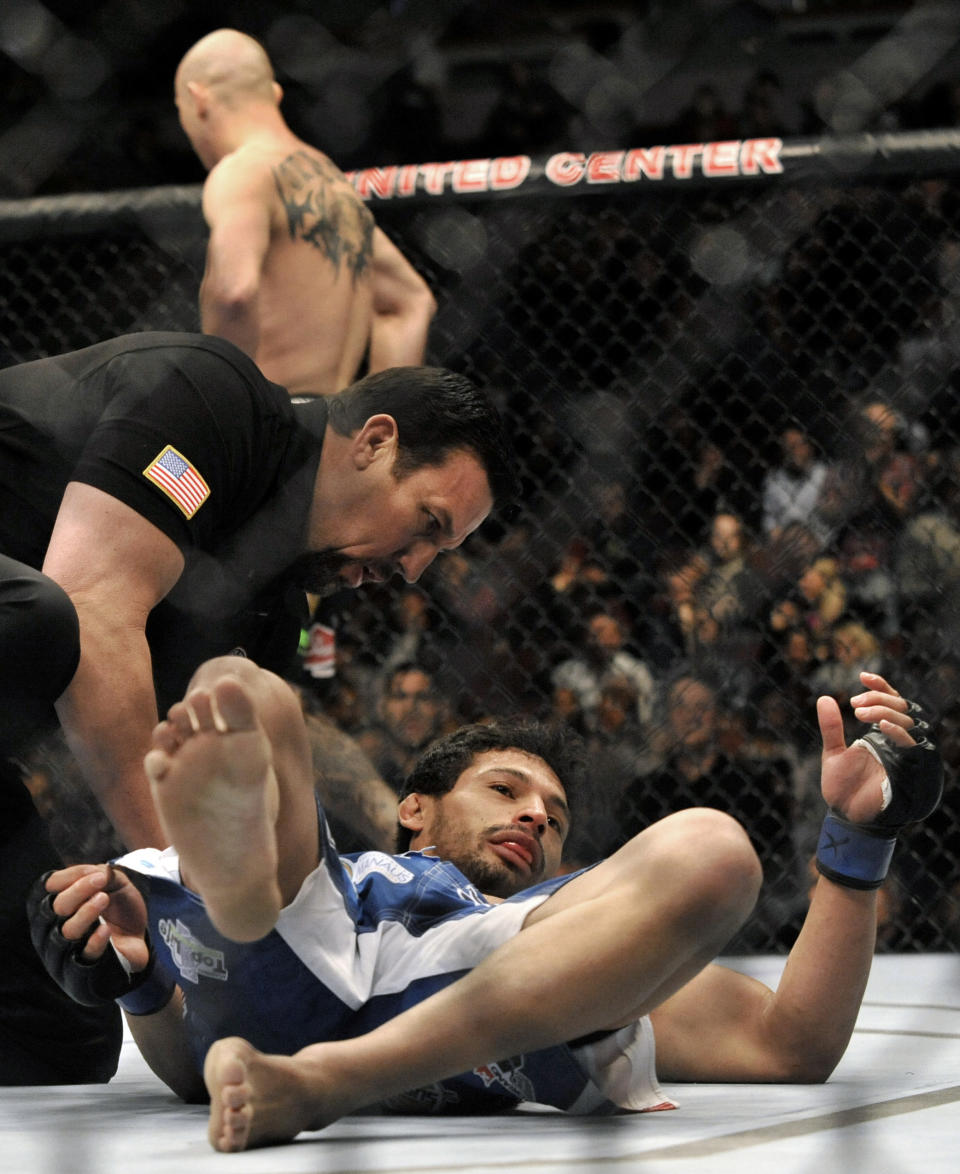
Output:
(437, 412)
(445, 760)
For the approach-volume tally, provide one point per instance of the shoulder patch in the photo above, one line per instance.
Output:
(172, 472)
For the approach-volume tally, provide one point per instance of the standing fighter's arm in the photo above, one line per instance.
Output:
(237, 202)
(349, 786)
(724, 1026)
(115, 566)
(403, 308)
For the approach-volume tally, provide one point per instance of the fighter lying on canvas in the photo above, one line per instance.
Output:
(462, 970)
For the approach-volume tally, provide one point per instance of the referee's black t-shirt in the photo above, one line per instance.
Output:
(185, 430)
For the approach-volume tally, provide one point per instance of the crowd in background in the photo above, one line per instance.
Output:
(745, 489)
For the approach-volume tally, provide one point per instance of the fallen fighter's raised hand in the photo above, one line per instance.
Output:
(888, 778)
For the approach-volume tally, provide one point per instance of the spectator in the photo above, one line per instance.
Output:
(724, 653)
(782, 559)
(413, 635)
(604, 657)
(853, 649)
(578, 572)
(618, 749)
(342, 701)
(565, 710)
(791, 491)
(729, 591)
(699, 771)
(926, 565)
(868, 497)
(616, 541)
(896, 470)
(689, 482)
(669, 634)
(823, 596)
(410, 715)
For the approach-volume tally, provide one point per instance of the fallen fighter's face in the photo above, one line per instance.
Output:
(503, 824)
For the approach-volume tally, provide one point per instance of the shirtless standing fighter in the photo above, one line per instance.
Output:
(297, 273)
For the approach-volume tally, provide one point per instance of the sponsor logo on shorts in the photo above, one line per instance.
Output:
(433, 1098)
(191, 957)
(509, 1074)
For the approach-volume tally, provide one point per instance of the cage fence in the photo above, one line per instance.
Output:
(732, 384)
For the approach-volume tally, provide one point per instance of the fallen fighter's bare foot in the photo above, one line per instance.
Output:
(212, 777)
(257, 1099)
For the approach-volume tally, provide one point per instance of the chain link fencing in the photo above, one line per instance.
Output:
(732, 385)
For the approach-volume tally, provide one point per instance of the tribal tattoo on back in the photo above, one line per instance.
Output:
(324, 210)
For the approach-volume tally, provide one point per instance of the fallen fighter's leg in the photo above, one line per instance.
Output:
(601, 952)
(222, 766)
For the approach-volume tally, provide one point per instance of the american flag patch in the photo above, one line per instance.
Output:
(178, 479)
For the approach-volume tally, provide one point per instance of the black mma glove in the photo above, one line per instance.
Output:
(91, 983)
(858, 855)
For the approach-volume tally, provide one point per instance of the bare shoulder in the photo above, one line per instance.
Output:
(323, 209)
(245, 170)
(297, 163)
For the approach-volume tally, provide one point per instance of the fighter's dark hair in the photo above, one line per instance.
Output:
(445, 760)
(437, 412)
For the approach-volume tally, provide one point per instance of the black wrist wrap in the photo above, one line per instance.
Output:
(89, 983)
(858, 855)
